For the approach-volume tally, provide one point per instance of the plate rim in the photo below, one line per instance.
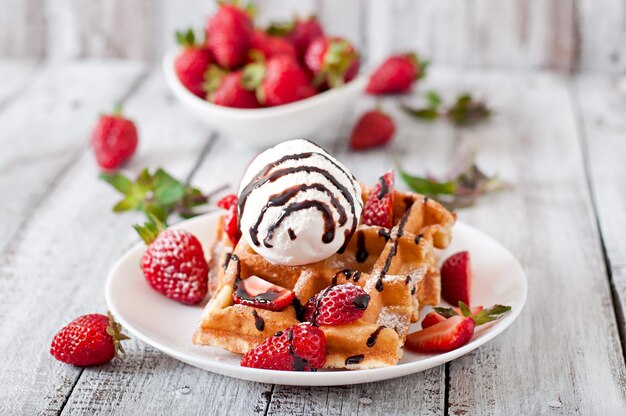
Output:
(326, 378)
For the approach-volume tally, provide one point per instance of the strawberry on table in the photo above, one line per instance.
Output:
(88, 340)
(191, 64)
(231, 223)
(378, 209)
(337, 305)
(270, 46)
(456, 278)
(227, 89)
(373, 129)
(229, 35)
(278, 81)
(301, 347)
(332, 61)
(256, 292)
(174, 263)
(114, 139)
(396, 75)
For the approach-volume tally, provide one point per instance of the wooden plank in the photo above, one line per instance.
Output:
(602, 104)
(17, 75)
(564, 351)
(22, 28)
(342, 18)
(173, 16)
(145, 380)
(602, 35)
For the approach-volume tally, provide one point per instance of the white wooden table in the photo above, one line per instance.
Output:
(560, 141)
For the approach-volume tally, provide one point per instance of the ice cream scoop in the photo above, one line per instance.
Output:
(298, 204)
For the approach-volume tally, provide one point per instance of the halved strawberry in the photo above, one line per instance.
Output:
(441, 314)
(442, 337)
(431, 319)
(231, 225)
(378, 209)
(259, 293)
(337, 305)
(456, 278)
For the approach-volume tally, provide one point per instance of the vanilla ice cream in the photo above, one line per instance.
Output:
(298, 204)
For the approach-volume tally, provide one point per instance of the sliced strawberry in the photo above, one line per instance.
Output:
(441, 314)
(259, 293)
(337, 305)
(231, 225)
(456, 278)
(378, 209)
(299, 348)
(442, 337)
(431, 319)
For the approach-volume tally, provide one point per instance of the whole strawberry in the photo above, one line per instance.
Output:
(278, 81)
(332, 61)
(378, 209)
(227, 89)
(373, 129)
(396, 75)
(303, 32)
(299, 348)
(231, 224)
(174, 263)
(114, 139)
(337, 305)
(270, 46)
(191, 64)
(88, 340)
(229, 35)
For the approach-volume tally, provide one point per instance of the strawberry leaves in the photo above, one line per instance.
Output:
(482, 317)
(465, 110)
(156, 194)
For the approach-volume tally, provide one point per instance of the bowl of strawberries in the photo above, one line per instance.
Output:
(260, 87)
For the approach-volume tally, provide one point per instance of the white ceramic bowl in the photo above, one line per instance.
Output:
(267, 126)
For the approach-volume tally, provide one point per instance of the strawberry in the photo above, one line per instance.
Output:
(278, 81)
(114, 139)
(378, 209)
(302, 32)
(88, 340)
(174, 263)
(444, 336)
(431, 319)
(227, 89)
(333, 61)
(456, 278)
(258, 293)
(373, 129)
(191, 64)
(270, 46)
(396, 75)
(441, 314)
(337, 305)
(229, 35)
(299, 348)
(231, 224)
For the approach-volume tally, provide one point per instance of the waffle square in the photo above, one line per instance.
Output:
(397, 267)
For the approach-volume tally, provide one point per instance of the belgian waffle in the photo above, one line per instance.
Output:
(397, 267)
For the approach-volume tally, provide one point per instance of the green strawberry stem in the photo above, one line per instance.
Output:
(150, 230)
(117, 110)
(114, 329)
(486, 315)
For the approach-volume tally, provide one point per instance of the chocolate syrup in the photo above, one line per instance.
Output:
(360, 302)
(418, 238)
(413, 290)
(355, 359)
(278, 333)
(346, 239)
(297, 305)
(385, 234)
(329, 222)
(292, 234)
(361, 250)
(247, 299)
(403, 221)
(316, 310)
(371, 341)
(258, 321)
(356, 276)
(384, 189)
(299, 363)
(408, 201)
(383, 272)
(407, 280)
(226, 260)
(425, 200)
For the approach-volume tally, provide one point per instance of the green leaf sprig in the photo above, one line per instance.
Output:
(465, 111)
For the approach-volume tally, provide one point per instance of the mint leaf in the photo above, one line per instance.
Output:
(426, 186)
(117, 181)
(167, 190)
(445, 312)
(491, 314)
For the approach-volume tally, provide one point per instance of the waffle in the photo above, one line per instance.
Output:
(397, 267)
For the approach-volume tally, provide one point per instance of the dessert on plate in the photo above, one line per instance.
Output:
(307, 256)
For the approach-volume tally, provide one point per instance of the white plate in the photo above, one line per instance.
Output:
(168, 325)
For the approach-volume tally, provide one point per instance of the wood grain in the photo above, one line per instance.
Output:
(22, 28)
(17, 75)
(602, 35)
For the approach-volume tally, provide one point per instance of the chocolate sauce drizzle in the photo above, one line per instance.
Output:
(329, 222)
(299, 363)
(258, 321)
(355, 359)
(403, 221)
(226, 260)
(418, 238)
(292, 234)
(361, 250)
(371, 341)
(384, 233)
(383, 272)
(384, 188)
(360, 302)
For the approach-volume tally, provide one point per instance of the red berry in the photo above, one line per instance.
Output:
(231, 224)
(175, 266)
(373, 129)
(431, 319)
(270, 46)
(301, 348)
(378, 209)
(337, 305)
(191, 64)
(86, 340)
(304, 32)
(231, 93)
(333, 61)
(256, 292)
(114, 140)
(444, 336)
(456, 279)
(229, 36)
(395, 75)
